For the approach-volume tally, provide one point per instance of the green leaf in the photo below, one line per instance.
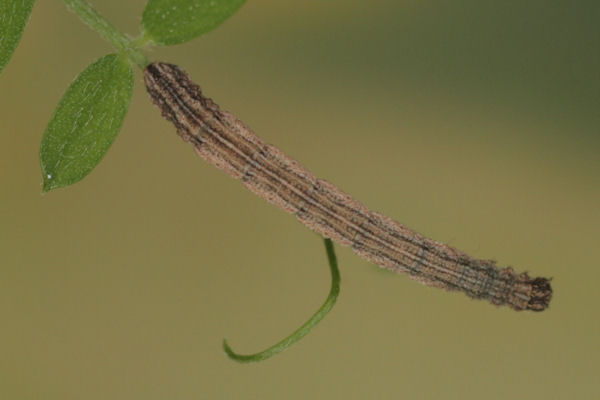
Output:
(14, 15)
(170, 22)
(86, 121)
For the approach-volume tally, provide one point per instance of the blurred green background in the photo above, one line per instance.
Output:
(474, 122)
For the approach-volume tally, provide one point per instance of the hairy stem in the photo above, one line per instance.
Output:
(105, 29)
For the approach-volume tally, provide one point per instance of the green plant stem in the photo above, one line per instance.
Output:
(105, 29)
(308, 325)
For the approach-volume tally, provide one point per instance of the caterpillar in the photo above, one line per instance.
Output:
(227, 143)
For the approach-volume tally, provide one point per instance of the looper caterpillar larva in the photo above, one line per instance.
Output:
(224, 141)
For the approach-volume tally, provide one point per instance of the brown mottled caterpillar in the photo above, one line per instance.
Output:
(224, 141)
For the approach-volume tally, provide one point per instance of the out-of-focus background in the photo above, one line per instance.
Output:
(474, 122)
